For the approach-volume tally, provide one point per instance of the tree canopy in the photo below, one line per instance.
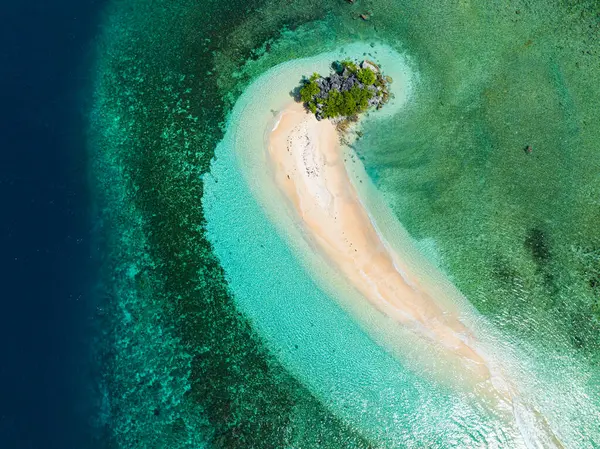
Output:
(344, 93)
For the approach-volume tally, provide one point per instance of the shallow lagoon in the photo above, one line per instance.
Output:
(515, 232)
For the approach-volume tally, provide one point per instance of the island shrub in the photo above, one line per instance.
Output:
(350, 65)
(348, 103)
(309, 90)
(347, 92)
(366, 76)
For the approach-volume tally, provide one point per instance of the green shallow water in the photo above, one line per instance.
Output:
(306, 329)
(188, 365)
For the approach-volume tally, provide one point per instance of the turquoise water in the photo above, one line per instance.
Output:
(191, 364)
(275, 290)
(304, 328)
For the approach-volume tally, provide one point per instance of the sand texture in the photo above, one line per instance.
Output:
(305, 158)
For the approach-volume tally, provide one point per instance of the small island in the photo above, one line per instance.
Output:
(351, 89)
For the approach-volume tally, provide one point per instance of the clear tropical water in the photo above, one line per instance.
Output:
(188, 365)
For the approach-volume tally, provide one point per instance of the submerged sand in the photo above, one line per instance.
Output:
(306, 162)
(290, 245)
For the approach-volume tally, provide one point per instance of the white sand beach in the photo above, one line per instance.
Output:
(306, 161)
(305, 158)
(292, 170)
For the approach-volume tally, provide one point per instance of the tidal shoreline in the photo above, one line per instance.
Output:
(306, 162)
(302, 302)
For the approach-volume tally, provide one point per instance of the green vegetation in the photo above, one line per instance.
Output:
(347, 92)
(309, 90)
(347, 103)
(351, 66)
(366, 76)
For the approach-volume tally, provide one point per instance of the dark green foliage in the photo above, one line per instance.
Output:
(348, 103)
(309, 90)
(366, 76)
(337, 99)
(350, 65)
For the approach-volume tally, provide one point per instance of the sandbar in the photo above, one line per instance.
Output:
(307, 163)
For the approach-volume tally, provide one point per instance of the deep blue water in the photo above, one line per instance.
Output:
(46, 269)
